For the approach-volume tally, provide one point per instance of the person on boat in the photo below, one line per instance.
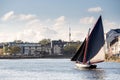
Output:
(77, 62)
(88, 62)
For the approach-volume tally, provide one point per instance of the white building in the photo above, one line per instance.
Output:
(57, 47)
(113, 41)
(31, 48)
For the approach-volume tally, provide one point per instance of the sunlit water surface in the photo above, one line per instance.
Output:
(55, 69)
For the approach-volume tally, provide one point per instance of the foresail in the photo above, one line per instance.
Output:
(79, 54)
(96, 40)
(100, 57)
(82, 50)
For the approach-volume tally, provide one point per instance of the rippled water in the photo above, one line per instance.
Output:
(55, 69)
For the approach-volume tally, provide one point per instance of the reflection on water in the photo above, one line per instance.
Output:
(95, 74)
(55, 69)
(105, 71)
(91, 74)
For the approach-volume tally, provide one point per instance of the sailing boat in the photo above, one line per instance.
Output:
(91, 51)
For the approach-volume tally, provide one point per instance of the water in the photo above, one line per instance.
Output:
(55, 69)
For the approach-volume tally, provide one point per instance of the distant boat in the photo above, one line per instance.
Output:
(91, 51)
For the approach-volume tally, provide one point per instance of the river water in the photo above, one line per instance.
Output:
(55, 69)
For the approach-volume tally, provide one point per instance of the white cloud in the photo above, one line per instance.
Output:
(106, 23)
(95, 9)
(60, 21)
(26, 17)
(78, 35)
(8, 16)
(6, 37)
(35, 29)
(109, 25)
(87, 20)
(22, 17)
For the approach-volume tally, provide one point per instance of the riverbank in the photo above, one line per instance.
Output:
(112, 60)
(50, 56)
(35, 57)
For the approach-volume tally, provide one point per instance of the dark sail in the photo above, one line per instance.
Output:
(81, 56)
(96, 40)
(80, 53)
(95, 43)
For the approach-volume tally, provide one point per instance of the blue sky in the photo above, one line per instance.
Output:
(33, 20)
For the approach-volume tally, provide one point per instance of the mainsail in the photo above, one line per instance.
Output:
(94, 44)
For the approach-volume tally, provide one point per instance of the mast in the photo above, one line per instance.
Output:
(69, 34)
(87, 39)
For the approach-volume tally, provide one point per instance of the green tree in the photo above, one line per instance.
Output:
(45, 41)
(14, 49)
(70, 49)
(5, 49)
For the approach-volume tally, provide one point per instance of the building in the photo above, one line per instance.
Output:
(113, 42)
(53, 48)
(1, 49)
(57, 47)
(30, 48)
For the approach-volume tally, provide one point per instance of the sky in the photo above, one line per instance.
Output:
(34, 20)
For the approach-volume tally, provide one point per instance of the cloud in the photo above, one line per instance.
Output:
(35, 31)
(22, 17)
(109, 25)
(25, 17)
(78, 35)
(8, 16)
(6, 37)
(60, 21)
(87, 20)
(95, 9)
(106, 23)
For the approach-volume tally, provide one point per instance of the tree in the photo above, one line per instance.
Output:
(14, 49)
(45, 41)
(5, 49)
(70, 49)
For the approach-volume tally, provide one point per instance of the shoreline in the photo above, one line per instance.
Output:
(35, 57)
(111, 60)
(49, 57)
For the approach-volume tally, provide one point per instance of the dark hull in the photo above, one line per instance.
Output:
(92, 66)
(85, 66)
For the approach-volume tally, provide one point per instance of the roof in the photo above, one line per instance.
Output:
(112, 31)
(112, 34)
(116, 30)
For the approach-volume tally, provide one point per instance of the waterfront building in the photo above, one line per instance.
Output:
(113, 42)
(26, 48)
(30, 48)
(57, 47)
(1, 49)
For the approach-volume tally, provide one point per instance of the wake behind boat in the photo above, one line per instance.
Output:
(91, 51)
